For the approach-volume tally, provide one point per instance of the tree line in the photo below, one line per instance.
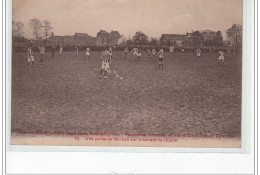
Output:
(194, 39)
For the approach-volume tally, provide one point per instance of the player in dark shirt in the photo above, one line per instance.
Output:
(53, 51)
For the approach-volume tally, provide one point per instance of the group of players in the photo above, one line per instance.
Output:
(30, 53)
(106, 56)
(138, 52)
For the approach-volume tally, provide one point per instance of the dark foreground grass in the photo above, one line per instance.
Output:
(190, 96)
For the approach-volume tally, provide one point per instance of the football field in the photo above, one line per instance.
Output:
(189, 96)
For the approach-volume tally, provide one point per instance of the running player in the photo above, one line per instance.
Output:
(198, 51)
(221, 57)
(42, 52)
(87, 53)
(30, 56)
(126, 50)
(105, 63)
(134, 51)
(160, 53)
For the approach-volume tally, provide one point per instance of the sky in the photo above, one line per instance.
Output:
(153, 17)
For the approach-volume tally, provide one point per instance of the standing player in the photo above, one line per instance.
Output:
(53, 51)
(198, 51)
(153, 51)
(210, 50)
(30, 56)
(139, 54)
(105, 63)
(171, 49)
(126, 50)
(110, 55)
(77, 50)
(160, 53)
(60, 50)
(42, 52)
(221, 57)
(149, 53)
(87, 53)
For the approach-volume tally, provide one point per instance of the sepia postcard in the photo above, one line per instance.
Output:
(127, 73)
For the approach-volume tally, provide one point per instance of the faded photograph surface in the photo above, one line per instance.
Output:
(157, 73)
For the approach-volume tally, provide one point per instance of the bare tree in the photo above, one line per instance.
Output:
(35, 25)
(47, 27)
(19, 28)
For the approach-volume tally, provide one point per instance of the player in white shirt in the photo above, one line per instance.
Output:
(221, 57)
(198, 52)
(134, 51)
(60, 50)
(161, 53)
(126, 51)
(30, 56)
(105, 57)
(171, 49)
(87, 53)
(139, 54)
(153, 51)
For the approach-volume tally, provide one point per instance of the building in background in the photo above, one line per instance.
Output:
(79, 39)
(102, 38)
(172, 39)
(84, 39)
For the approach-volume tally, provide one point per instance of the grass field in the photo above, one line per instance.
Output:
(190, 96)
